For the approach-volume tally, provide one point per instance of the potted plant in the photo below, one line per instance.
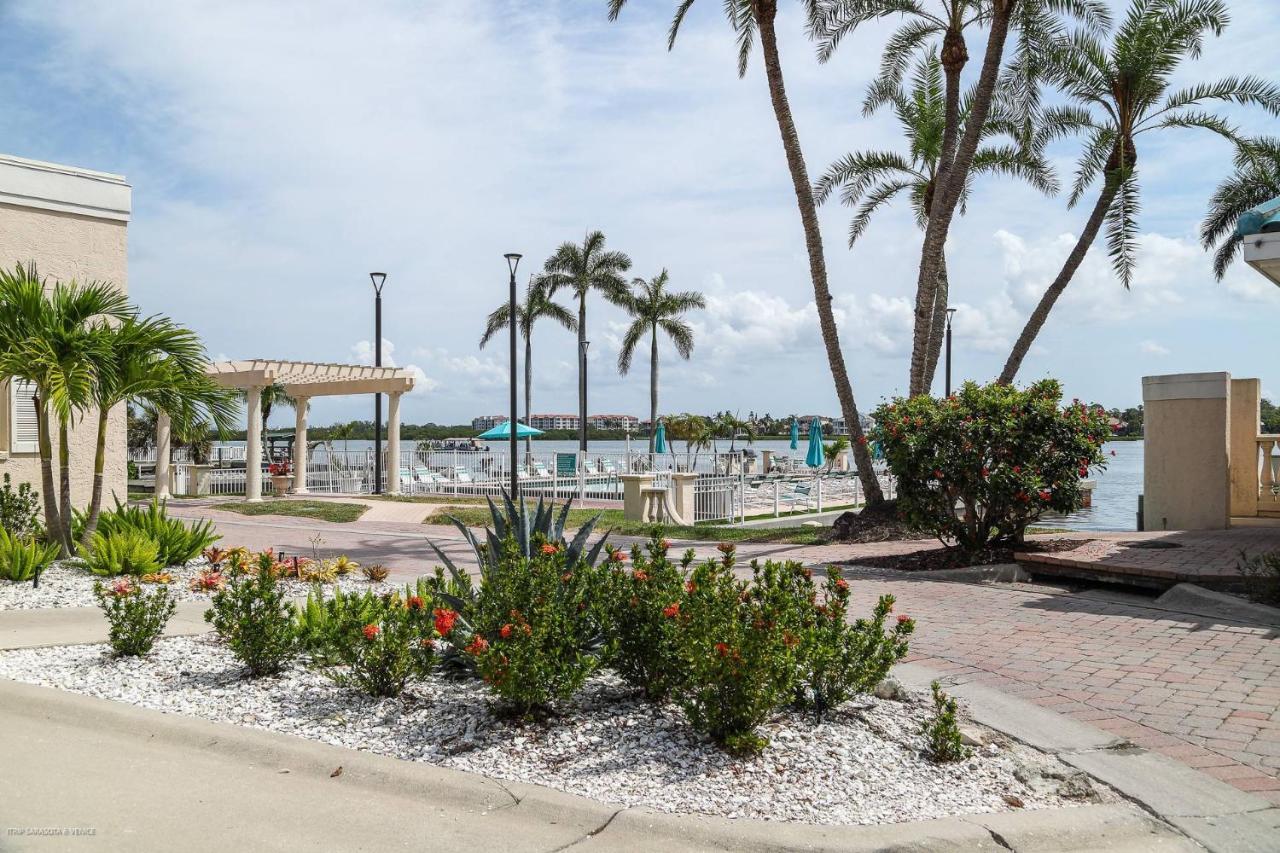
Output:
(281, 478)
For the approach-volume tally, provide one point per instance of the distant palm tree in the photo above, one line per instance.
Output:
(580, 270)
(537, 304)
(731, 426)
(695, 431)
(871, 179)
(653, 307)
(1120, 92)
(1255, 180)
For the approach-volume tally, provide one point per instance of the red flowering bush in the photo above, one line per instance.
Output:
(979, 467)
(377, 643)
(642, 635)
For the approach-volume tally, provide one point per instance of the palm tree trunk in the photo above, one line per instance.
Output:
(582, 372)
(64, 483)
(765, 11)
(938, 330)
(99, 464)
(653, 389)
(947, 194)
(52, 521)
(528, 390)
(1038, 317)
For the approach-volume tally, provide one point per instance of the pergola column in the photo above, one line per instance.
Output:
(393, 444)
(163, 443)
(300, 446)
(253, 445)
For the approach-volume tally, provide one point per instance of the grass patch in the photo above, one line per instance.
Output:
(320, 510)
(432, 499)
(612, 519)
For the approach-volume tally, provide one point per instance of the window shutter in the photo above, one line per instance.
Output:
(23, 437)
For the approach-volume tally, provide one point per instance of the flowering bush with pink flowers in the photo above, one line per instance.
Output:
(980, 466)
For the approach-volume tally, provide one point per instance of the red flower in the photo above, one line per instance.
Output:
(478, 646)
(1045, 494)
(1017, 469)
(985, 472)
(414, 603)
(505, 632)
(937, 474)
(722, 649)
(726, 547)
(690, 587)
(842, 584)
(665, 543)
(1084, 472)
(371, 631)
(549, 549)
(640, 575)
(444, 620)
(672, 610)
(618, 557)
(903, 618)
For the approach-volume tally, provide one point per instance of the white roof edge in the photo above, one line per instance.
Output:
(66, 189)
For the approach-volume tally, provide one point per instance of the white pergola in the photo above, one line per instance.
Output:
(302, 380)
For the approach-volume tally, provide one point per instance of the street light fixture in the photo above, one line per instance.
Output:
(378, 279)
(513, 261)
(951, 312)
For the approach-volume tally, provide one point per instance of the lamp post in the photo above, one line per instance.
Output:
(582, 443)
(951, 312)
(513, 261)
(378, 279)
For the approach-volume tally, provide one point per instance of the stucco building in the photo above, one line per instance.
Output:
(72, 222)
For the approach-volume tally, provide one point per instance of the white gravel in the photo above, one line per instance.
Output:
(67, 585)
(862, 766)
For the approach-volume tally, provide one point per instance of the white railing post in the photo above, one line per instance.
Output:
(777, 499)
(819, 494)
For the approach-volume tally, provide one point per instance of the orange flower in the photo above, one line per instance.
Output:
(672, 610)
(414, 602)
(444, 620)
(371, 631)
(505, 632)
(478, 646)
(549, 549)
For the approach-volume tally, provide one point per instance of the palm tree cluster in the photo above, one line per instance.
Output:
(84, 350)
(581, 269)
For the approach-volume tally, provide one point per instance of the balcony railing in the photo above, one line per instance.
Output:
(1268, 475)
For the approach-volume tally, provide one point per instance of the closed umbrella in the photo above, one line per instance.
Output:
(816, 457)
(503, 430)
(660, 438)
(795, 434)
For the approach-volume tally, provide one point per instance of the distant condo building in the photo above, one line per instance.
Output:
(561, 422)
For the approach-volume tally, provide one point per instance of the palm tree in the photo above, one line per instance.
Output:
(1256, 180)
(1036, 23)
(48, 338)
(749, 18)
(1121, 92)
(695, 431)
(653, 307)
(731, 426)
(537, 304)
(870, 179)
(582, 269)
(157, 361)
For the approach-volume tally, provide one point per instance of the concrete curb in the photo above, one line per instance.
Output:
(1190, 598)
(1215, 814)
(537, 818)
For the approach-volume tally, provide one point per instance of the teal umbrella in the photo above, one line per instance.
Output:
(816, 457)
(660, 438)
(503, 430)
(795, 434)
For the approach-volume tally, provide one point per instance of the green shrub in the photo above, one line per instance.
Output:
(982, 465)
(740, 663)
(137, 618)
(19, 509)
(380, 644)
(126, 552)
(1261, 576)
(23, 557)
(255, 619)
(176, 543)
(839, 660)
(642, 644)
(942, 732)
(321, 619)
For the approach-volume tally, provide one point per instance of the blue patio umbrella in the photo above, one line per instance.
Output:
(816, 457)
(795, 434)
(503, 430)
(660, 438)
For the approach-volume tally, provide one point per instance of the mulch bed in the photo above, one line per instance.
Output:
(933, 559)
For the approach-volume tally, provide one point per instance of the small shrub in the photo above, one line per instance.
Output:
(137, 618)
(257, 622)
(208, 580)
(381, 644)
(1261, 576)
(158, 578)
(643, 644)
(176, 543)
(942, 732)
(980, 466)
(311, 571)
(123, 552)
(19, 509)
(23, 557)
(320, 620)
(344, 565)
(376, 573)
(739, 661)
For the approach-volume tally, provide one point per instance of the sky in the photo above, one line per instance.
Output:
(279, 152)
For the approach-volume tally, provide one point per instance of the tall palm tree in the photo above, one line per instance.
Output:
(869, 180)
(157, 361)
(1120, 92)
(48, 338)
(580, 270)
(1035, 23)
(695, 431)
(1256, 180)
(537, 304)
(653, 307)
(749, 18)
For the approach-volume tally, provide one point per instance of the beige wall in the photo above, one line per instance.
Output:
(1246, 420)
(72, 223)
(1186, 479)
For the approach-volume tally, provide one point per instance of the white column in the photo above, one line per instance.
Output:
(300, 446)
(393, 444)
(163, 442)
(253, 446)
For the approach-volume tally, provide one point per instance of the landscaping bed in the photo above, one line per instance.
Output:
(864, 764)
(934, 559)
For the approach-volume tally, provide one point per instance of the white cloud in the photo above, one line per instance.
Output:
(362, 353)
(1150, 347)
